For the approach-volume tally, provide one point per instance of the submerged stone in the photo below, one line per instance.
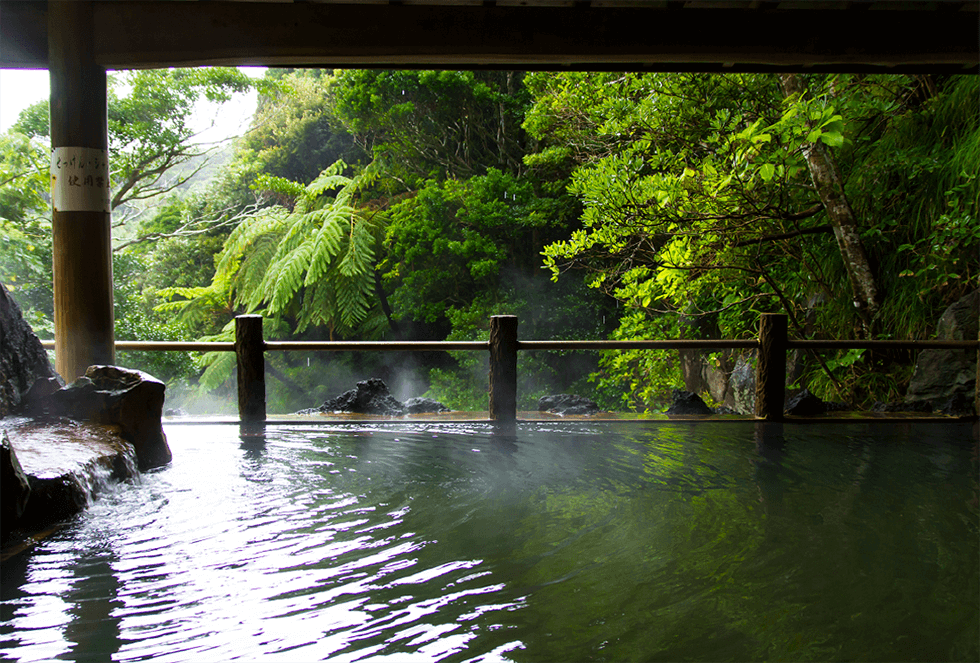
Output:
(908, 406)
(420, 405)
(567, 404)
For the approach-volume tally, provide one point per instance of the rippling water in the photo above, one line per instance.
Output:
(560, 542)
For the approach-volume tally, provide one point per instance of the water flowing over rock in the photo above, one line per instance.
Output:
(944, 378)
(566, 404)
(14, 485)
(67, 442)
(687, 402)
(65, 464)
(23, 360)
(127, 398)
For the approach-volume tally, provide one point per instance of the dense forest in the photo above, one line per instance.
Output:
(413, 205)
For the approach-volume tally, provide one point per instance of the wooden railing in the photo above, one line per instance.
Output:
(772, 344)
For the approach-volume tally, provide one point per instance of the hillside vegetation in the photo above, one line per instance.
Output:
(413, 205)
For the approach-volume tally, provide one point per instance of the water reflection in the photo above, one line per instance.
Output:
(770, 445)
(94, 608)
(546, 542)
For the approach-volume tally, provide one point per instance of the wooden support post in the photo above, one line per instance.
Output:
(250, 353)
(770, 372)
(81, 243)
(503, 367)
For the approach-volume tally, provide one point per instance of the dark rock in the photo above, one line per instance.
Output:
(309, 410)
(420, 405)
(687, 402)
(66, 464)
(805, 404)
(742, 384)
(128, 398)
(14, 487)
(567, 404)
(22, 359)
(958, 405)
(944, 374)
(908, 406)
(723, 410)
(175, 412)
(369, 397)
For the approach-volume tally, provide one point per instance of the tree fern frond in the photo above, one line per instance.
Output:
(359, 256)
(352, 301)
(266, 222)
(220, 366)
(279, 185)
(253, 271)
(330, 178)
(286, 276)
(326, 246)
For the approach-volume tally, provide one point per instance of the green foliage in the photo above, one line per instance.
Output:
(25, 228)
(149, 125)
(136, 321)
(434, 124)
(295, 133)
(451, 241)
(697, 200)
(313, 264)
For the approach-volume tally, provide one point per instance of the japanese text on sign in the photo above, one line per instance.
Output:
(79, 179)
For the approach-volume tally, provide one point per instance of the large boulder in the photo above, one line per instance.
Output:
(368, 397)
(687, 403)
(565, 404)
(127, 398)
(742, 385)
(22, 359)
(55, 468)
(805, 404)
(944, 376)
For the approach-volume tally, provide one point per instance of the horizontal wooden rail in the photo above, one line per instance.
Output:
(165, 346)
(883, 345)
(374, 346)
(771, 346)
(675, 344)
(451, 346)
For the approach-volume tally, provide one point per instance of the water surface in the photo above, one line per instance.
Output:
(561, 541)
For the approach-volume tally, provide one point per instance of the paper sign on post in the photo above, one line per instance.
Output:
(79, 179)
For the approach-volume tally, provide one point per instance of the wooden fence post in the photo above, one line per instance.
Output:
(770, 372)
(250, 354)
(503, 367)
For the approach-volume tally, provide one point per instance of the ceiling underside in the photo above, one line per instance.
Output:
(938, 36)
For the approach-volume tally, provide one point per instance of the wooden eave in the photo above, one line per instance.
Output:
(721, 35)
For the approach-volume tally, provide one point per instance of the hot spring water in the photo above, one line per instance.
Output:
(564, 541)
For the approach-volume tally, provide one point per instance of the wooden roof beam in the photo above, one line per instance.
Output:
(150, 34)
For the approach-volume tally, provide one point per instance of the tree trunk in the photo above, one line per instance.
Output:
(385, 306)
(830, 188)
